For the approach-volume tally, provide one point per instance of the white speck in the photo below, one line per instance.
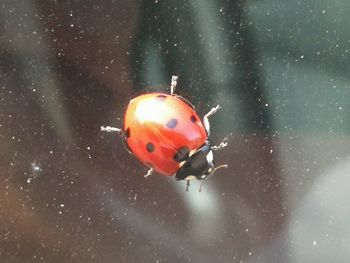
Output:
(62, 205)
(323, 11)
(302, 56)
(88, 148)
(36, 167)
(314, 243)
(271, 150)
(35, 172)
(340, 108)
(266, 104)
(71, 25)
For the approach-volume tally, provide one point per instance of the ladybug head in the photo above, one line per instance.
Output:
(199, 165)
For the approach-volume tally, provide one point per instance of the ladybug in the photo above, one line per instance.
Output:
(166, 134)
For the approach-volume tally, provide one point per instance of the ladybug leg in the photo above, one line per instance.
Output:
(201, 186)
(110, 129)
(187, 185)
(149, 172)
(206, 118)
(120, 132)
(173, 84)
(223, 144)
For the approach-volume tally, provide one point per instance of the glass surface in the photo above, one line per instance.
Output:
(278, 69)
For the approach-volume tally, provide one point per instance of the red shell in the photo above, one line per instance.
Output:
(157, 125)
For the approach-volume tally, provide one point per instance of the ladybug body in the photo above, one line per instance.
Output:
(165, 133)
(162, 130)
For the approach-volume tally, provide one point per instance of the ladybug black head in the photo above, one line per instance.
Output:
(198, 165)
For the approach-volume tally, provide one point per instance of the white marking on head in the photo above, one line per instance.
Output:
(210, 157)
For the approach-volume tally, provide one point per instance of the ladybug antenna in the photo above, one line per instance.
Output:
(173, 84)
(187, 185)
(211, 174)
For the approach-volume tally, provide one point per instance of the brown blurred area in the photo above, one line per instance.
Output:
(69, 193)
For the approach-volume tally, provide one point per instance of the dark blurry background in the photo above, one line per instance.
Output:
(280, 71)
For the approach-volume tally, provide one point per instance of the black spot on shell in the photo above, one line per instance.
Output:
(161, 97)
(150, 147)
(182, 154)
(127, 132)
(193, 118)
(172, 123)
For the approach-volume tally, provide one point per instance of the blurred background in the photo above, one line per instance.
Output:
(280, 71)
